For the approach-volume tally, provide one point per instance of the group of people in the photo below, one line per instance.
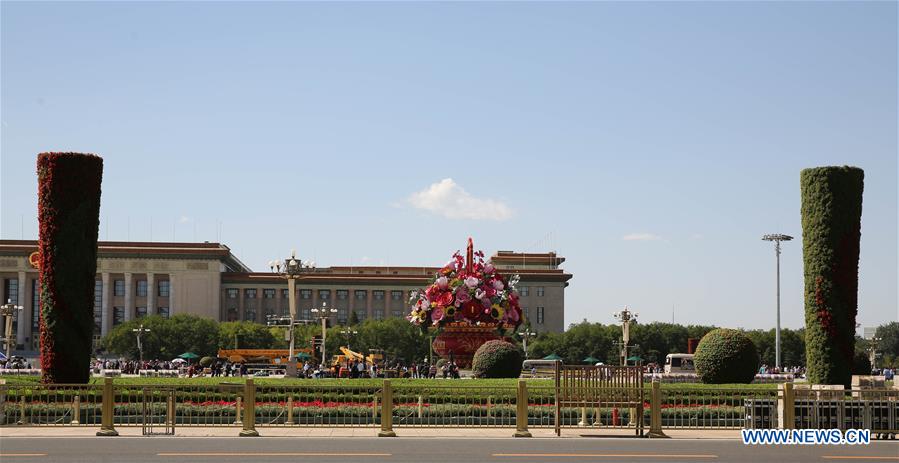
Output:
(797, 372)
(132, 367)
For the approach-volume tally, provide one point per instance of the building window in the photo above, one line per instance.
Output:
(324, 295)
(141, 288)
(163, 312)
(269, 312)
(361, 294)
(118, 315)
(397, 313)
(249, 293)
(249, 315)
(268, 293)
(379, 314)
(164, 288)
(141, 312)
(233, 293)
(341, 316)
(305, 314)
(540, 291)
(232, 314)
(342, 294)
(119, 287)
(378, 295)
(524, 291)
(98, 307)
(12, 291)
(396, 295)
(304, 293)
(36, 305)
(526, 312)
(361, 314)
(539, 315)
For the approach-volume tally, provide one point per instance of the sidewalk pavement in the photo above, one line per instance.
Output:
(296, 431)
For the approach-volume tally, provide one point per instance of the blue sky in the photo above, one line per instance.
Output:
(651, 144)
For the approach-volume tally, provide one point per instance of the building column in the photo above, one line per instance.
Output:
(104, 309)
(23, 327)
(129, 297)
(369, 310)
(173, 300)
(151, 294)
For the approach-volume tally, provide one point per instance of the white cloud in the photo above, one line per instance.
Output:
(641, 237)
(450, 200)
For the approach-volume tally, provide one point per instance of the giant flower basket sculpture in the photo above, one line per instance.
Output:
(467, 303)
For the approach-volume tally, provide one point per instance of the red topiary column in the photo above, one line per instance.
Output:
(69, 217)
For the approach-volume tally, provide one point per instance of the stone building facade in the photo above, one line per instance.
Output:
(136, 279)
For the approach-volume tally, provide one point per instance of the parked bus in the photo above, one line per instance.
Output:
(679, 363)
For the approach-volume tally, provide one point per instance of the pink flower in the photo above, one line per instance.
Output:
(479, 294)
(442, 282)
(462, 295)
(498, 285)
(513, 315)
(437, 315)
(489, 268)
(471, 282)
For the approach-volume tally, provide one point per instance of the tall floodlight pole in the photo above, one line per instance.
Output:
(9, 311)
(777, 238)
(140, 347)
(291, 270)
(626, 317)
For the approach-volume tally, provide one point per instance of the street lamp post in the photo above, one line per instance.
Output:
(348, 333)
(324, 313)
(140, 347)
(291, 270)
(525, 335)
(777, 238)
(625, 316)
(9, 311)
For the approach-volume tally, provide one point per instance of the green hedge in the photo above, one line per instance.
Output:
(496, 359)
(726, 356)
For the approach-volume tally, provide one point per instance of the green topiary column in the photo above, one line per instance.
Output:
(831, 232)
(69, 217)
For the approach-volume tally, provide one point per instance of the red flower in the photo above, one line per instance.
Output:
(445, 299)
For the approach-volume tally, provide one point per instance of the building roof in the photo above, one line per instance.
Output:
(145, 250)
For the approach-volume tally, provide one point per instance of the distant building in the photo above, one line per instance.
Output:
(136, 279)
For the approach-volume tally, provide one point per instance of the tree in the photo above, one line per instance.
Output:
(831, 232)
(167, 338)
(889, 342)
(245, 335)
(69, 217)
(354, 318)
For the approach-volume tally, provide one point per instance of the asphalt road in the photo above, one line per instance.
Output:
(362, 449)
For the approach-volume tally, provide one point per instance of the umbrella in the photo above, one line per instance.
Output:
(302, 356)
(179, 361)
(552, 357)
(189, 356)
(591, 359)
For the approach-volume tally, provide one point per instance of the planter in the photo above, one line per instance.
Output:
(459, 342)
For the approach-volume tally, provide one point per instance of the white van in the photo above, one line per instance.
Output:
(679, 363)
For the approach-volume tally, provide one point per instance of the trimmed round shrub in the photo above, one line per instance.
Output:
(206, 362)
(861, 364)
(726, 356)
(496, 359)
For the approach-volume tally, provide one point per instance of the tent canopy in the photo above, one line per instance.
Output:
(552, 357)
(590, 359)
(189, 355)
(302, 356)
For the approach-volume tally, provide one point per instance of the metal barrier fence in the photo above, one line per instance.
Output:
(162, 408)
(703, 407)
(318, 405)
(454, 405)
(34, 404)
